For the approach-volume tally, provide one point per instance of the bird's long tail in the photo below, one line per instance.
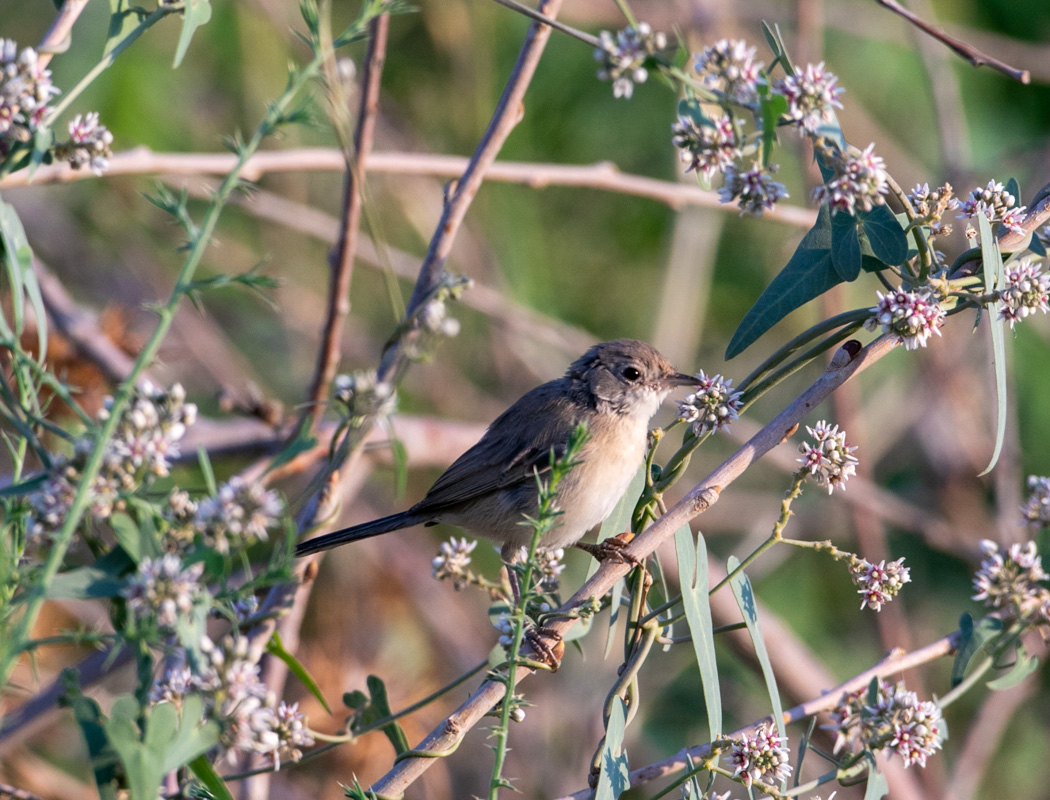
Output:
(394, 522)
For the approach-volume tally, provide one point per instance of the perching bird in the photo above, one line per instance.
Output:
(615, 388)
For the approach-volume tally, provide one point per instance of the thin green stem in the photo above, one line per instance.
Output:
(533, 14)
(34, 596)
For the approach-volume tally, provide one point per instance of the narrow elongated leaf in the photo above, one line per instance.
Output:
(884, 235)
(206, 774)
(745, 600)
(275, 647)
(695, 585)
(88, 714)
(845, 246)
(878, 787)
(614, 777)
(196, 13)
(993, 279)
(138, 541)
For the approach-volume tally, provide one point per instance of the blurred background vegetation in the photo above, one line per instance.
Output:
(592, 265)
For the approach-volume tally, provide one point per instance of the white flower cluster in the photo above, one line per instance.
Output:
(706, 146)
(1037, 508)
(162, 590)
(89, 145)
(932, 205)
(878, 583)
(811, 96)
(1011, 579)
(622, 57)
(251, 718)
(241, 511)
(713, 406)
(145, 440)
(25, 92)
(897, 721)
(830, 462)
(729, 67)
(1027, 291)
(913, 316)
(859, 180)
(549, 564)
(453, 560)
(760, 756)
(360, 395)
(754, 189)
(994, 202)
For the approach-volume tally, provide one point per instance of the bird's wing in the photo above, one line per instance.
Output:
(499, 460)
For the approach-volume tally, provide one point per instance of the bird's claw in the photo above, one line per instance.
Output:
(547, 645)
(613, 549)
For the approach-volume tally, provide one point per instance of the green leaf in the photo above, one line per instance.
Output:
(275, 647)
(878, 787)
(25, 487)
(993, 279)
(1014, 188)
(745, 600)
(123, 19)
(137, 540)
(196, 13)
(692, 575)
(614, 778)
(974, 641)
(884, 235)
(774, 106)
(85, 583)
(845, 246)
(1024, 666)
(18, 260)
(88, 714)
(808, 274)
(370, 710)
(211, 779)
(167, 741)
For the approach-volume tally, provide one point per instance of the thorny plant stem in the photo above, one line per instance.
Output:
(34, 596)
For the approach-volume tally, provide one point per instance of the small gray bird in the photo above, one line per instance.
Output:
(615, 388)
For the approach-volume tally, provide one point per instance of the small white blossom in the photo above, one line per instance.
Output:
(289, 725)
(830, 462)
(729, 67)
(760, 756)
(913, 316)
(754, 190)
(549, 562)
(163, 589)
(878, 583)
(360, 395)
(622, 58)
(811, 96)
(713, 406)
(1027, 291)
(25, 92)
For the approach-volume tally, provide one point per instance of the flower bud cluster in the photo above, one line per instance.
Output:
(251, 718)
(729, 67)
(1012, 579)
(145, 440)
(896, 721)
(163, 590)
(25, 92)
(622, 58)
(996, 203)
(89, 144)
(811, 96)
(453, 561)
(878, 583)
(1027, 291)
(859, 180)
(933, 205)
(360, 395)
(760, 756)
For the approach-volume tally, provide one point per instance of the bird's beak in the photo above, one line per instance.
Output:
(680, 379)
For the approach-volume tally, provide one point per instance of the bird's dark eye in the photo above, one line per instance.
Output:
(631, 373)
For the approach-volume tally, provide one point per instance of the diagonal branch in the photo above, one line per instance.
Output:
(964, 50)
